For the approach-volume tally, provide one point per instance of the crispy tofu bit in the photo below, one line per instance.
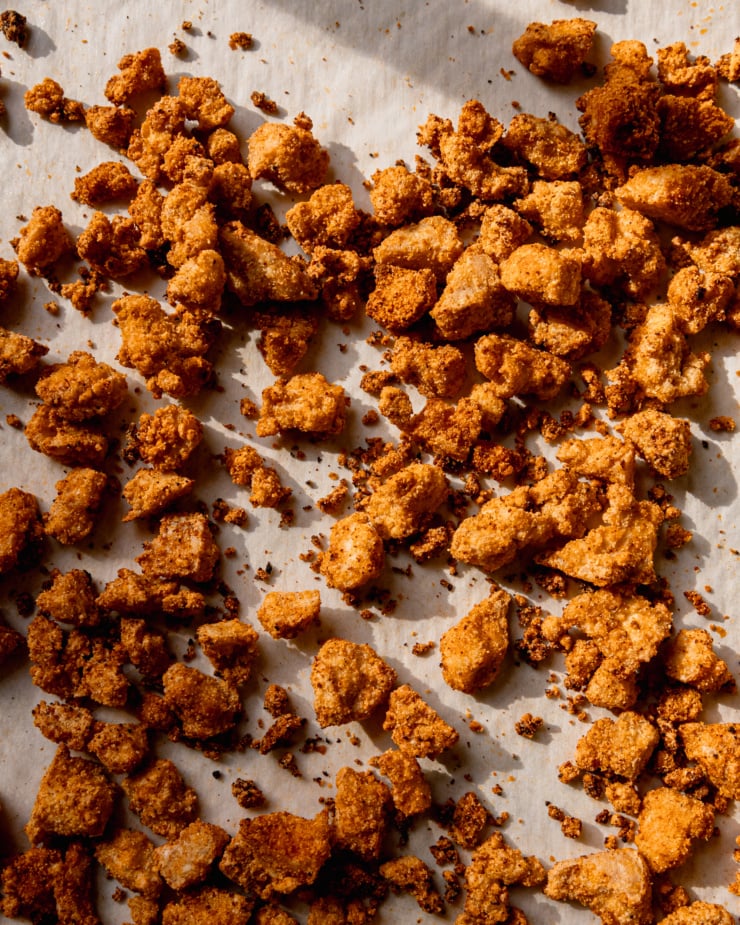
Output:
(43, 241)
(140, 71)
(699, 913)
(690, 658)
(204, 102)
(21, 530)
(415, 727)
(361, 807)
(410, 790)
(288, 156)
(398, 195)
(555, 208)
(168, 438)
(444, 429)
(539, 274)
(72, 516)
(8, 278)
(401, 296)
(146, 649)
(28, 885)
(437, 372)
(409, 874)
(129, 858)
(493, 867)
(698, 297)
(161, 799)
(64, 723)
(82, 388)
(205, 705)
(287, 614)
(405, 501)
(152, 491)
(606, 458)
(183, 548)
(615, 885)
(131, 593)
(327, 219)
(74, 798)
(277, 852)
(258, 271)
(120, 747)
(231, 647)
(218, 907)
(355, 555)
(68, 443)
(502, 231)
(430, 244)
(105, 182)
(668, 823)
(716, 749)
(473, 650)
(556, 50)
(285, 338)
(111, 246)
(47, 99)
(622, 249)
(350, 682)
(620, 747)
(305, 402)
(554, 151)
(112, 125)
(246, 467)
(575, 331)
(515, 368)
(198, 283)
(186, 860)
(662, 440)
(18, 354)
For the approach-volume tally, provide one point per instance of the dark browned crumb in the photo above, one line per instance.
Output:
(241, 40)
(177, 47)
(528, 725)
(698, 603)
(262, 101)
(14, 27)
(722, 424)
(247, 794)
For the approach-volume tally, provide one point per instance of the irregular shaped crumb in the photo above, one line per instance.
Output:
(128, 856)
(285, 338)
(327, 219)
(699, 913)
(231, 647)
(204, 102)
(139, 72)
(415, 727)
(287, 614)
(662, 440)
(64, 723)
(74, 798)
(398, 195)
(439, 372)
(537, 273)
(247, 794)
(47, 99)
(515, 368)
(161, 799)
(168, 438)
(432, 244)
(622, 249)
(187, 859)
(72, 515)
(305, 402)
(21, 530)
(205, 705)
(82, 387)
(120, 747)
(473, 650)
(410, 790)
(112, 125)
(152, 491)
(219, 907)
(183, 548)
(556, 51)
(574, 331)
(402, 295)
(690, 658)
(18, 354)
(105, 182)
(619, 747)
(362, 808)
(277, 852)
(716, 749)
(288, 156)
(350, 682)
(615, 885)
(553, 150)
(8, 278)
(43, 241)
(131, 593)
(668, 823)
(355, 555)
(409, 874)
(401, 505)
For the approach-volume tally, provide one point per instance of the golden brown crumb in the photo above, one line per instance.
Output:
(690, 658)
(231, 647)
(350, 682)
(73, 513)
(415, 727)
(618, 747)
(21, 530)
(14, 26)
(288, 156)
(473, 650)
(555, 51)
(139, 72)
(401, 295)
(669, 822)
(493, 867)
(161, 799)
(47, 99)
(43, 241)
(152, 491)
(186, 860)
(361, 807)
(411, 875)
(355, 555)
(241, 40)
(287, 614)
(410, 790)
(168, 438)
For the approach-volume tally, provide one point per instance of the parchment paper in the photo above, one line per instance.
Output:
(367, 73)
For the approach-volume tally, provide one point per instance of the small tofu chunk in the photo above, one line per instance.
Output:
(120, 747)
(186, 860)
(690, 658)
(328, 218)
(350, 682)
(81, 388)
(556, 50)
(473, 650)
(663, 441)
(716, 749)
(287, 614)
(305, 402)
(409, 874)
(415, 727)
(152, 491)
(73, 513)
(183, 548)
(399, 196)
(410, 790)
(401, 296)
(161, 799)
(168, 438)
(18, 354)
(129, 858)
(140, 71)
(355, 555)
(493, 867)
(620, 747)
(288, 156)
(668, 824)
(213, 905)
(231, 647)
(67, 443)
(515, 368)
(540, 274)
(402, 504)
(437, 372)
(43, 241)
(21, 530)
(206, 706)
(622, 249)
(361, 806)
(432, 244)
(554, 151)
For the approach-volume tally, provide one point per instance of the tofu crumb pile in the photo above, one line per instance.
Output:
(497, 271)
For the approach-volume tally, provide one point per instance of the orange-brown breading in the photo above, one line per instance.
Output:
(131, 593)
(448, 431)
(161, 799)
(433, 244)
(615, 885)
(140, 71)
(305, 402)
(128, 857)
(699, 913)
(328, 218)
(74, 798)
(668, 823)
(350, 682)
(539, 274)
(361, 813)
(474, 297)
(288, 156)
(277, 852)
(67, 724)
(205, 705)
(106, 181)
(716, 252)
(402, 504)
(204, 102)
(690, 658)
(146, 211)
(663, 441)
(145, 648)
(285, 338)
(168, 350)
(18, 354)
(21, 530)
(436, 371)
(186, 859)
(716, 749)
(690, 127)
(163, 124)
(575, 331)
(556, 50)
(287, 614)
(698, 297)
(43, 241)
(502, 231)
(409, 874)
(258, 271)
(398, 195)
(168, 438)
(516, 368)
(73, 513)
(112, 125)
(8, 278)
(554, 151)
(119, 747)
(199, 283)
(210, 904)
(231, 189)
(684, 195)
(188, 222)
(183, 548)
(606, 458)
(555, 208)
(415, 727)
(410, 790)
(401, 296)
(340, 274)
(47, 99)
(473, 650)
(70, 598)
(231, 647)
(111, 246)
(82, 387)
(152, 491)
(660, 360)
(355, 555)
(620, 747)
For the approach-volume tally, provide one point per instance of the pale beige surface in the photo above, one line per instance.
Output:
(367, 73)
